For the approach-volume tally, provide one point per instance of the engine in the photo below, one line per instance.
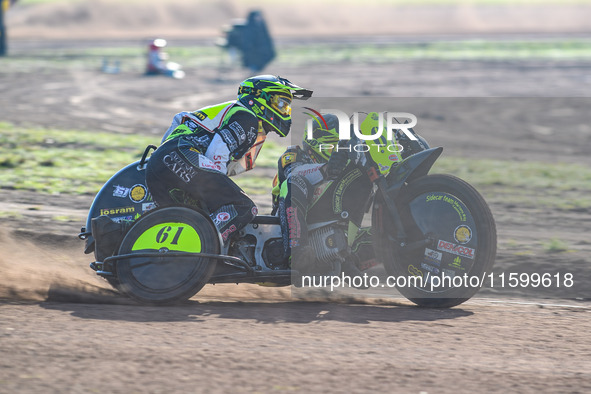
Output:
(329, 243)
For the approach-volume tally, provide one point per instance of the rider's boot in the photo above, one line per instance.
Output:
(107, 234)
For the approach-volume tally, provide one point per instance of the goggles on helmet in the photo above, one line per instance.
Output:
(281, 104)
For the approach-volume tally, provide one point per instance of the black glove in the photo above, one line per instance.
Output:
(337, 163)
(356, 153)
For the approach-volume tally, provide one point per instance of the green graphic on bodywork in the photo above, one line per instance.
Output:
(173, 236)
(383, 152)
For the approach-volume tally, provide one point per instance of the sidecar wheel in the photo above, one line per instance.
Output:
(162, 279)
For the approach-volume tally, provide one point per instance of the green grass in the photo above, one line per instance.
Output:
(534, 184)
(64, 161)
(555, 245)
(77, 162)
(518, 174)
(440, 50)
(132, 59)
(10, 215)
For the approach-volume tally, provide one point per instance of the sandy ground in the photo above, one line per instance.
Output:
(62, 329)
(286, 346)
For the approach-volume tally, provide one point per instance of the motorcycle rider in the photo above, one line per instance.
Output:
(306, 173)
(299, 172)
(201, 149)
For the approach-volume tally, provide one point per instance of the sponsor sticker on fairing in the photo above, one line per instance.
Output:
(138, 193)
(120, 191)
(458, 250)
(227, 233)
(147, 206)
(117, 211)
(223, 217)
(122, 219)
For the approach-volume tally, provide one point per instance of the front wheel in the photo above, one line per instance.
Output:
(451, 241)
(166, 269)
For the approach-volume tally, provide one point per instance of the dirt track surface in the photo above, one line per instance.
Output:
(62, 329)
(285, 346)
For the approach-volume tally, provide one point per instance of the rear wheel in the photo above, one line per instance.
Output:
(449, 268)
(161, 278)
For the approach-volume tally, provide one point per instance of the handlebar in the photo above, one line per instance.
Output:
(362, 158)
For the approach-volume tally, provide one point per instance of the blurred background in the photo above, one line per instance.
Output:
(428, 48)
(68, 19)
(71, 49)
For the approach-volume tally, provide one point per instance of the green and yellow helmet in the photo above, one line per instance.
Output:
(322, 135)
(269, 97)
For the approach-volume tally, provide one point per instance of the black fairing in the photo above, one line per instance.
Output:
(349, 193)
(124, 197)
(411, 168)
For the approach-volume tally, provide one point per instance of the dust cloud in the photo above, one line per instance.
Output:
(34, 271)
